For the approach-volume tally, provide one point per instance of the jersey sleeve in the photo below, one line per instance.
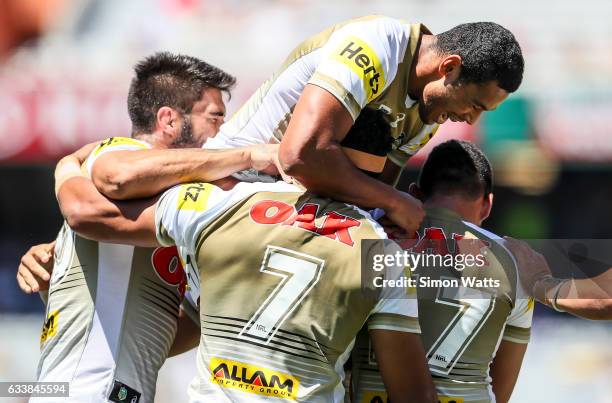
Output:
(397, 307)
(113, 144)
(360, 60)
(184, 210)
(518, 324)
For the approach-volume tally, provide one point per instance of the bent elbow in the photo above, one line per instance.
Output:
(291, 161)
(113, 182)
(76, 216)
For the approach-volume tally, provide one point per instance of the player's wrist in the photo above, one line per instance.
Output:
(546, 290)
(391, 201)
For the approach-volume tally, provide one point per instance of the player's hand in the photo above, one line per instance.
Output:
(407, 213)
(264, 158)
(534, 272)
(35, 267)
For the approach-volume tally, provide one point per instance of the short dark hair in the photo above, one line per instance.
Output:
(489, 52)
(370, 133)
(176, 81)
(456, 167)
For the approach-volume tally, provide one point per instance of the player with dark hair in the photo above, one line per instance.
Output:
(300, 330)
(475, 316)
(488, 53)
(419, 80)
(185, 83)
(113, 310)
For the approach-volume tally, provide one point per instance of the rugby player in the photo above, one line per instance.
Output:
(475, 335)
(589, 298)
(418, 79)
(261, 337)
(113, 310)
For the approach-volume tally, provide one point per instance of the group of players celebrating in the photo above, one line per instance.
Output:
(183, 234)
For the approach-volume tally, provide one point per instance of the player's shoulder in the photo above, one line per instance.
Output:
(497, 245)
(120, 143)
(111, 144)
(375, 30)
(201, 196)
(368, 227)
(376, 21)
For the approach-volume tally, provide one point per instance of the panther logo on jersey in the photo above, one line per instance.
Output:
(49, 327)
(169, 268)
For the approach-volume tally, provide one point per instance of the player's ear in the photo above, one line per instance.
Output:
(416, 192)
(487, 205)
(168, 123)
(450, 67)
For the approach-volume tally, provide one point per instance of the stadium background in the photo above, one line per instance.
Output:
(65, 67)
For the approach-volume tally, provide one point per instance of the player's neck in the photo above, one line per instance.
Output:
(424, 66)
(469, 210)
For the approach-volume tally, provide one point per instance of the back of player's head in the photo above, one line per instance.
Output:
(176, 81)
(489, 52)
(456, 167)
(368, 141)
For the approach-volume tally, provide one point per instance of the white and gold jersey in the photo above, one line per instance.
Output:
(111, 314)
(365, 61)
(281, 299)
(462, 324)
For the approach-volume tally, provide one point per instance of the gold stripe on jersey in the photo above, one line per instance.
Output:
(334, 87)
(390, 321)
(517, 334)
(363, 61)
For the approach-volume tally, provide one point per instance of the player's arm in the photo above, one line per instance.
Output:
(587, 298)
(187, 335)
(396, 338)
(310, 151)
(402, 365)
(96, 217)
(505, 369)
(133, 174)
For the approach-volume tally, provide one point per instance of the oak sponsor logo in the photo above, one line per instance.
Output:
(335, 226)
(359, 57)
(49, 327)
(253, 379)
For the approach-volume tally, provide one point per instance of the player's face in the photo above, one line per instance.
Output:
(459, 102)
(206, 116)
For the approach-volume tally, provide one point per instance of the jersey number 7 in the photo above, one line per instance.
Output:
(473, 309)
(298, 274)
